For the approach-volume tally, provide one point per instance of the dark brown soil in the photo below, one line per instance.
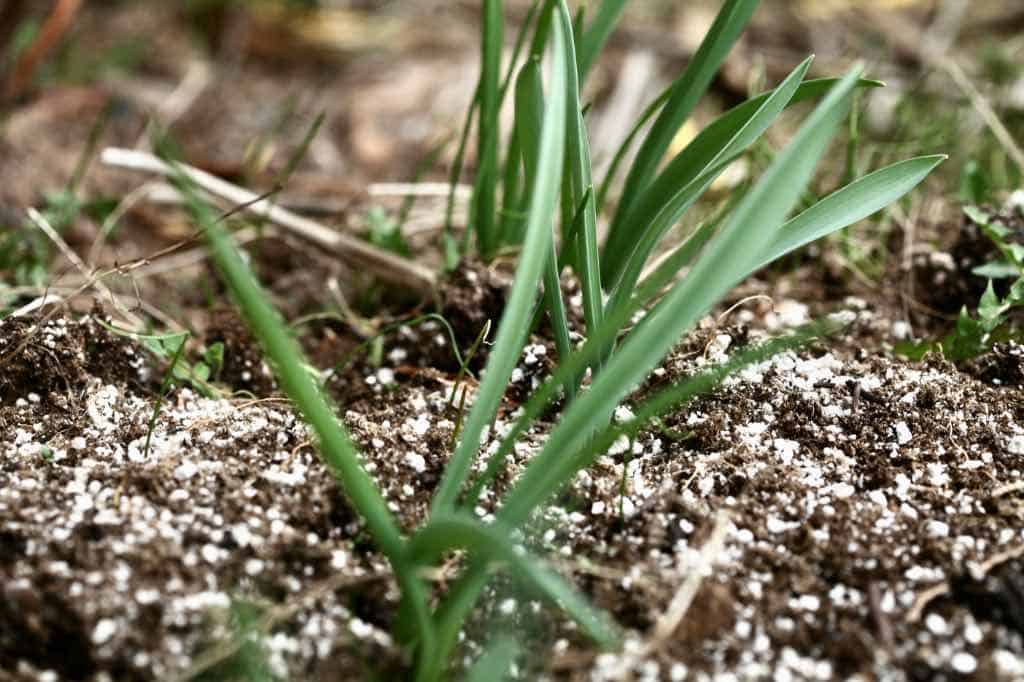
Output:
(871, 524)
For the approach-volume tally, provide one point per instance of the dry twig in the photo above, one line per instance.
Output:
(358, 253)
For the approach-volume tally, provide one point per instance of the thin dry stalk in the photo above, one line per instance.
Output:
(356, 252)
(46, 228)
(665, 627)
(53, 29)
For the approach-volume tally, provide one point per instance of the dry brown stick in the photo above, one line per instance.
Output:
(1007, 488)
(669, 621)
(977, 571)
(44, 226)
(667, 624)
(924, 599)
(358, 253)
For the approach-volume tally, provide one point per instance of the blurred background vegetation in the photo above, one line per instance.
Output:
(238, 85)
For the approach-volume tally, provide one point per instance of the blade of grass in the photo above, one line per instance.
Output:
(686, 92)
(852, 203)
(335, 447)
(484, 189)
(595, 36)
(512, 329)
(511, 218)
(581, 183)
(444, 533)
(696, 155)
(562, 257)
(300, 152)
(495, 664)
(524, 30)
(451, 248)
(510, 228)
(688, 175)
(423, 166)
(529, 116)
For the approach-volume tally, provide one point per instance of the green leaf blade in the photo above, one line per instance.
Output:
(854, 202)
(579, 169)
(444, 533)
(690, 173)
(727, 257)
(513, 327)
(686, 92)
(484, 189)
(596, 35)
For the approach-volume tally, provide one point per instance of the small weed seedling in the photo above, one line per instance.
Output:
(544, 179)
(975, 334)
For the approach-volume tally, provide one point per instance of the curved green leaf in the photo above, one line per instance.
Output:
(686, 92)
(484, 189)
(847, 205)
(495, 664)
(689, 174)
(691, 160)
(597, 34)
(580, 184)
(529, 116)
(513, 328)
(446, 532)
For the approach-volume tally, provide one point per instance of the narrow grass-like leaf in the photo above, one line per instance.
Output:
(451, 250)
(512, 218)
(730, 254)
(542, 31)
(513, 329)
(495, 664)
(423, 166)
(686, 92)
(593, 39)
(620, 154)
(624, 290)
(688, 175)
(557, 315)
(808, 89)
(847, 205)
(524, 30)
(300, 152)
(529, 116)
(562, 260)
(578, 171)
(696, 155)
(444, 533)
(485, 187)
(335, 447)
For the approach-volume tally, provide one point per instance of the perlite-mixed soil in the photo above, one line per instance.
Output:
(836, 512)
